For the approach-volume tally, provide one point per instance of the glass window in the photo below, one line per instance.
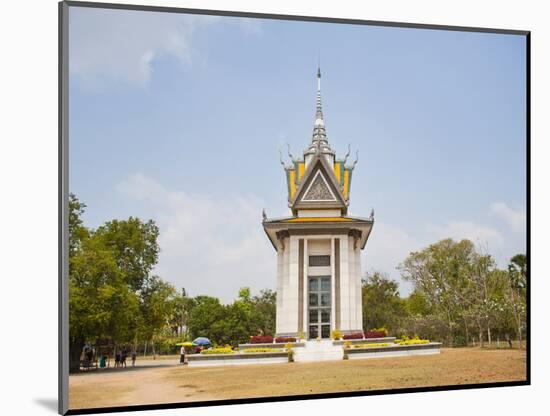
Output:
(325, 283)
(319, 261)
(313, 316)
(313, 299)
(313, 331)
(325, 331)
(313, 284)
(325, 315)
(325, 299)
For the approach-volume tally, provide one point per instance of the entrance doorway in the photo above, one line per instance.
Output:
(319, 307)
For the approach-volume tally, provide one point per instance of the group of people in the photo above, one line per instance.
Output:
(121, 356)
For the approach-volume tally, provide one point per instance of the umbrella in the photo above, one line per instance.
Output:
(184, 344)
(201, 341)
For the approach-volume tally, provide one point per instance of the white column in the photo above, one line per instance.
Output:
(344, 284)
(292, 305)
(351, 283)
(285, 301)
(280, 291)
(359, 293)
(332, 287)
(305, 296)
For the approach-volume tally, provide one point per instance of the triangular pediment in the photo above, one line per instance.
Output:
(318, 190)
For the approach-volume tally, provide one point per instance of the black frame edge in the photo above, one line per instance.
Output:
(63, 209)
(181, 10)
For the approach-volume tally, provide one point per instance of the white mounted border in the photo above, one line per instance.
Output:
(204, 360)
(394, 351)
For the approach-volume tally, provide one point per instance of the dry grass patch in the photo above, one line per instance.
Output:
(181, 384)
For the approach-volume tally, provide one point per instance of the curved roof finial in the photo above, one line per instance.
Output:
(356, 159)
(288, 151)
(281, 158)
(347, 154)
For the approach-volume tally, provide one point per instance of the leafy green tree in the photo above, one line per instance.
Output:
(382, 305)
(157, 308)
(111, 293)
(134, 246)
(441, 272)
(416, 304)
(182, 307)
(263, 313)
(207, 312)
(77, 232)
(517, 292)
(100, 303)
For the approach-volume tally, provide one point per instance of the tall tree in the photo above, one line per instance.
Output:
(264, 308)
(517, 292)
(157, 307)
(101, 305)
(134, 246)
(382, 305)
(202, 319)
(441, 273)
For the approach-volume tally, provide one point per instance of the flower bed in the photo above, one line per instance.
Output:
(261, 339)
(414, 341)
(355, 335)
(221, 350)
(253, 350)
(372, 345)
(375, 334)
(285, 339)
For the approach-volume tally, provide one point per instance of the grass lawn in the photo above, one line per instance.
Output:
(172, 384)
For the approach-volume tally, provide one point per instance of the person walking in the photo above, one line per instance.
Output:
(134, 356)
(182, 355)
(117, 359)
(123, 358)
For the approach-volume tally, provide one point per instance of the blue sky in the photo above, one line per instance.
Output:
(179, 119)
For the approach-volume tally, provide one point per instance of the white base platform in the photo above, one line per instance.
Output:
(322, 350)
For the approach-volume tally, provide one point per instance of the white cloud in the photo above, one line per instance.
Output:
(387, 247)
(516, 219)
(458, 230)
(210, 245)
(121, 46)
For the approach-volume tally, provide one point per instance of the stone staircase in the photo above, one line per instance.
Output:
(318, 351)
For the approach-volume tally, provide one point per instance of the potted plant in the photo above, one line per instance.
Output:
(346, 346)
(290, 353)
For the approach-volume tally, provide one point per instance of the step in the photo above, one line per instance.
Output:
(319, 351)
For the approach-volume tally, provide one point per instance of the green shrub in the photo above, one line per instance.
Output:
(459, 341)
(383, 330)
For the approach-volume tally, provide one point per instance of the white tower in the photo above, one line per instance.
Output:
(319, 246)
